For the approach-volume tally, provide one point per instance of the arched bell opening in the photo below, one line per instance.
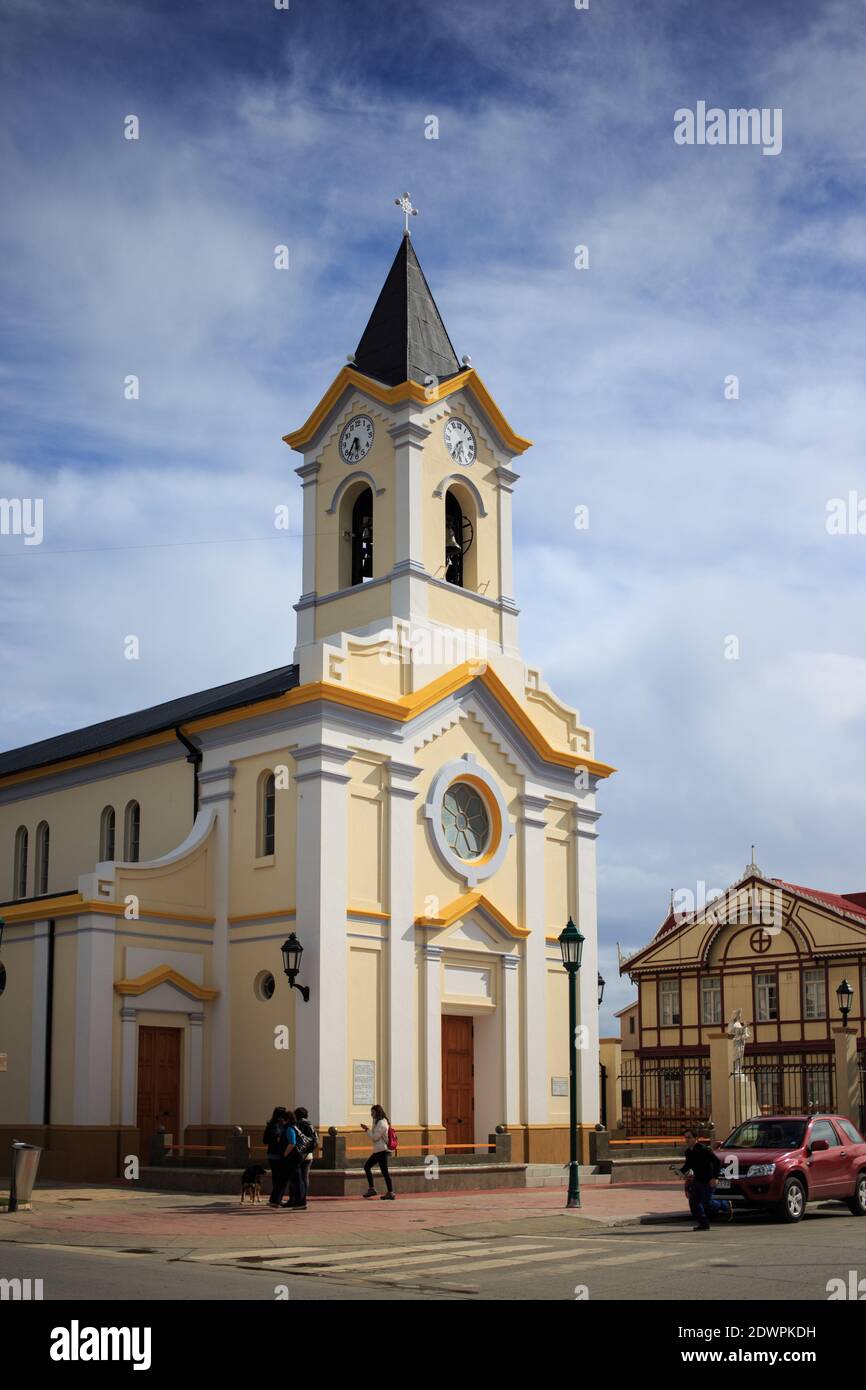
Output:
(356, 530)
(460, 551)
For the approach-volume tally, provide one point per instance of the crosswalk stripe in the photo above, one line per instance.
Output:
(443, 1256)
(319, 1253)
(277, 1252)
(505, 1262)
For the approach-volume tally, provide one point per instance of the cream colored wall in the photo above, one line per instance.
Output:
(557, 1038)
(263, 884)
(16, 1009)
(364, 1038)
(367, 839)
(362, 606)
(438, 464)
(262, 1075)
(558, 859)
(433, 881)
(164, 794)
(63, 1031)
(332, 470)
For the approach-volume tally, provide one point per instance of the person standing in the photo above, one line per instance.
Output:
(279, 1138)
(302, 1159)
(378, 1136)
(704, 1166)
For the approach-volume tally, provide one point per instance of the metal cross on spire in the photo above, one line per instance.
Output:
(405, 203)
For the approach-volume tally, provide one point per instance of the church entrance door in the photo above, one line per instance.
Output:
(458, 1081)
(158, 1084)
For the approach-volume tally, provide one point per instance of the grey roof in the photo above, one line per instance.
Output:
(405, 339)
(111, 732)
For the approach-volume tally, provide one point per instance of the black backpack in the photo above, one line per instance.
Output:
(306, 1143)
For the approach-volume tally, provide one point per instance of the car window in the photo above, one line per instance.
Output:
(767, 1134)
(822, 1129)
(849, 1131)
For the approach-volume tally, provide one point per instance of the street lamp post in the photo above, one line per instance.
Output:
(292, 950)
(571, 945)
(845, 995)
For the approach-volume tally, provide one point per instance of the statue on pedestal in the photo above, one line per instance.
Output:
(741, 1034)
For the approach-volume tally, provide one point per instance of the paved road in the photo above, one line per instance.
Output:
(753, 1259)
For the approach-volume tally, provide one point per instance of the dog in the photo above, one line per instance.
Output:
(251, 1183)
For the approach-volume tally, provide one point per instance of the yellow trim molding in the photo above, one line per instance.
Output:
(462, 906)
(402, 709)
(73, 905)
(407, 391)
(163, 974)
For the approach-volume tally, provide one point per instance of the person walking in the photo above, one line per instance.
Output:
(704, 1166)
(279, 1138)
(301, 1161)
(378, 1136)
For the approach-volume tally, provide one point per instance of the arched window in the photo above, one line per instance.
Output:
(131, 831)
(19, 883)
(106, 834)
(266, 818)
(267, 815)
(362, 536)
(40, 883)
(459, 535)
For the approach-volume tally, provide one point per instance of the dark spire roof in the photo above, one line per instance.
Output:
(405, 339)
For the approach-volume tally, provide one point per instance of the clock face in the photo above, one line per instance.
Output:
(356, 439)
(460, 441)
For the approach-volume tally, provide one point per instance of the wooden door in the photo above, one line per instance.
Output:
(458, 1080)
(158, 1084)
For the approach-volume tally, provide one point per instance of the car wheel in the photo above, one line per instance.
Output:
(857, 1203)
(793, 1203)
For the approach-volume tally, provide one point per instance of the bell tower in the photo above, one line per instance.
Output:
(407, 483)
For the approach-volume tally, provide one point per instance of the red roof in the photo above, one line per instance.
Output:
(842, 902)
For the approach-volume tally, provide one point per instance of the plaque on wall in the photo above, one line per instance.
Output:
(559, 1085)
(363, 1083)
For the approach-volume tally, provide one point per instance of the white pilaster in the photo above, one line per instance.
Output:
(216, 783)
(195, 1082)
(533, 827)
(38, 1021)
(94, 1000)
(322, 891)
(505, 480)
(402, 1029)
(431, 986)
(129, 1065)
(511, 1037)
(306, 620)
(409, 594)
(585, 836)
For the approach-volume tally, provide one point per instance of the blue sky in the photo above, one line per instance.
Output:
(707, 516)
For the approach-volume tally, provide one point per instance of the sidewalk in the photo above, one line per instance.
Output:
(117, 1217)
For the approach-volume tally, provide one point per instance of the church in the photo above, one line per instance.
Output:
(407, 797)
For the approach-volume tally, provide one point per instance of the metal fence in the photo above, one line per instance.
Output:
(785, 1084)
(662, 1095)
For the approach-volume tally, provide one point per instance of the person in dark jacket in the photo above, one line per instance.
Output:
(279, 1138)
(704, 1166)
(300, 1165)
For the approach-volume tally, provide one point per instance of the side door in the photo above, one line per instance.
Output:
(828, 1176)
(850, 1154)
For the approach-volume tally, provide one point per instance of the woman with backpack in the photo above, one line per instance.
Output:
(306, 1142)
(380, 1137)
(279, 1139)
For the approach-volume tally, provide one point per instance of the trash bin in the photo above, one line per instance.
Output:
(25, 1165)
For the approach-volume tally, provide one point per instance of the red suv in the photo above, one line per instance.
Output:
(784, 1161)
